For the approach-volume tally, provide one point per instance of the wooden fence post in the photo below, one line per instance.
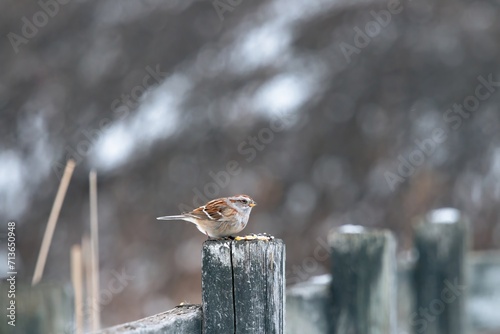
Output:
(363, 288)
(308, 306)
(243, 286)
(441, 241)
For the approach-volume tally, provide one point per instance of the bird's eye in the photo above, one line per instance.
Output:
(245, 201)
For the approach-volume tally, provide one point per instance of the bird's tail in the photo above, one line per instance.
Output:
(177, 217)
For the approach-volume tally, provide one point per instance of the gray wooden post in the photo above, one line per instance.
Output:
(363, 288)
(441, 241)
(308, 305)
(243, 286)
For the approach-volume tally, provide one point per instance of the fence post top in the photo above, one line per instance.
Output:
(444, 216)
(244, 240)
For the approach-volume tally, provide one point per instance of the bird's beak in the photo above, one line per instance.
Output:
(252, 204)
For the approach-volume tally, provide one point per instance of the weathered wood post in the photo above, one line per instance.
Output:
(363, 288)
(441, 241)
(243, 286)
(308, 306)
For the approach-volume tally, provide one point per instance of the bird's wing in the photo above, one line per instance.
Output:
(216, 209)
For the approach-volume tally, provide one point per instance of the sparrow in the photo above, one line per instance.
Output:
(221, 217)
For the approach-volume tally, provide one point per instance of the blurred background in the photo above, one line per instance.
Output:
(325, 112)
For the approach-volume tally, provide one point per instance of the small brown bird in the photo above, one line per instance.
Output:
(221, 217)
